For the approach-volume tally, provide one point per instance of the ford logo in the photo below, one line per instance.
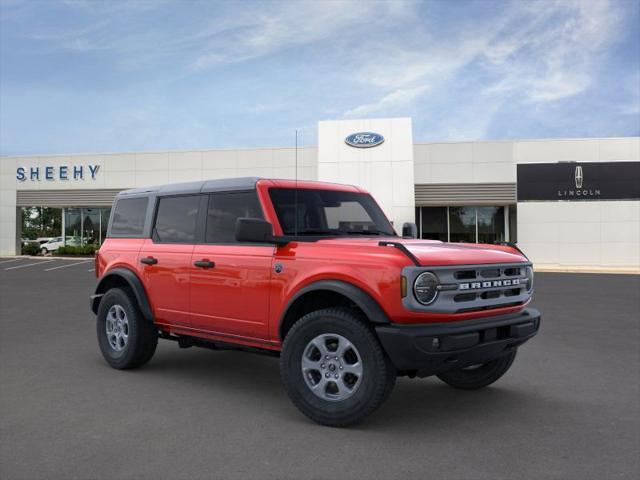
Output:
(364, 139)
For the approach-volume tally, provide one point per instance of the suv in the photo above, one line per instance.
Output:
(312, 272)
(53, 244)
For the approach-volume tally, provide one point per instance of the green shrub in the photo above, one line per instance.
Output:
(31, 249)
(83, 250)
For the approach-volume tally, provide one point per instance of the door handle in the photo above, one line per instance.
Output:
(204, 264)
(149, 260)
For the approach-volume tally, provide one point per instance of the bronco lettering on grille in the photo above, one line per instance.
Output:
(489, 284)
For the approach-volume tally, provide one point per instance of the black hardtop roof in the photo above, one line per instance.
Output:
(205, 186)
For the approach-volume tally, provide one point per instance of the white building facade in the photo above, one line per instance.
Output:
(568, 203)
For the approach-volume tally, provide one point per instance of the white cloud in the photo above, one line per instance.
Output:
(631, 105)
(542, 52)
(217, 34)
(285, 25)
(553, 55)
(396, 99)
(457, 75)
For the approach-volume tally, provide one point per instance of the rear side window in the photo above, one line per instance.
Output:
(176, 219)
(224, 209)
(128, 217)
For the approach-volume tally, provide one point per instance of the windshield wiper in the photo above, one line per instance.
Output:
(363, 232)
(317, 231)
(311, 231)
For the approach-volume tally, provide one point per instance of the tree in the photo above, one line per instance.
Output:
(41, 222)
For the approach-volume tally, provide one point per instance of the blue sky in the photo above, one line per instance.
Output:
(104, 76)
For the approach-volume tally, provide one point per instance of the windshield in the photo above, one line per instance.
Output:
(328, 212)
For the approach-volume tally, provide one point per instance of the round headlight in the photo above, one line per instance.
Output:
(529, 274)
(425, 288)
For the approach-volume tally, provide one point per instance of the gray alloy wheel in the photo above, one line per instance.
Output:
(117, 328)
(126, 338)
(332, 367)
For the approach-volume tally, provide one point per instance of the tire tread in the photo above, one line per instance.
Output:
(382, 388)
(146, 339)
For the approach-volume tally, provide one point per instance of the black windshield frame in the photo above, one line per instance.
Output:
(312, 217)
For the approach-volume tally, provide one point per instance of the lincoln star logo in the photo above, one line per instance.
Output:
(489, 284)
(364, 139)
(579, 177)
(580, 190)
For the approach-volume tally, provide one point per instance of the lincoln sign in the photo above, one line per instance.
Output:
(575, 181)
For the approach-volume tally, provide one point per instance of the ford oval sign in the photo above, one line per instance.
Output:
(364, 139)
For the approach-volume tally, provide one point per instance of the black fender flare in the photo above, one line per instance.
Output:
(132, 281)
(370, 307)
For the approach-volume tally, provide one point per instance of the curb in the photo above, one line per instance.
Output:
(52, 257)
(596, 270)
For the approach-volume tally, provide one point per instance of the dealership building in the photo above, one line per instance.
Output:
(568, 203)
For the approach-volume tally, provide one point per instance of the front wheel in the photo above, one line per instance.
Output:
(478, 376)
(334, 368)
(44, 251)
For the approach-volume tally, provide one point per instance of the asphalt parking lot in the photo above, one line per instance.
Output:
(567, 409)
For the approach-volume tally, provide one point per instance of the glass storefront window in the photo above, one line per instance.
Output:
(104, 222)
(41, 222)
(72, 226)
(462, 224)
(466, 224)
(85, 226)
(434, 223)
(490, 224)
(90, 226)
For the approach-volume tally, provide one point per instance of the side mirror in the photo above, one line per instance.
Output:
(253, 230)
(256, 230)
(409, 230)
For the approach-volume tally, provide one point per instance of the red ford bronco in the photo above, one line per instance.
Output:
(312, 272)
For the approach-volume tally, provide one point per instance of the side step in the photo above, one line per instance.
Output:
(185, 341)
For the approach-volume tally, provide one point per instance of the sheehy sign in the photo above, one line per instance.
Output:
(575, 181)
(59, 172)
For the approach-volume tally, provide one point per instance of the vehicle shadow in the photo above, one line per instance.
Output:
(231, 370)
(414, 405)
(419, 404)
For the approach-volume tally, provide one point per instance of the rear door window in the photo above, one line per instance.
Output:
(128, 217)
(176, 219)
(223, 212)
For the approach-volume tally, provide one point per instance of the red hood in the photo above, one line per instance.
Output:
(431, 252)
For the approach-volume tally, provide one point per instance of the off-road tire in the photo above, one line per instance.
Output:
(142, 334)
(480, 377)
(378, 378)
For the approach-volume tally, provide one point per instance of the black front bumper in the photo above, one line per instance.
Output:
(429, 349)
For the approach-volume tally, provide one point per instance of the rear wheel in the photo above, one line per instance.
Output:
(481, 375)
(334, 368)
(126, 338)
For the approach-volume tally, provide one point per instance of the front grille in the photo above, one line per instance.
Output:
(473, 287)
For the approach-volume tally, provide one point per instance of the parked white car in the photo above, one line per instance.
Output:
(57, 242)
(52, 245)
